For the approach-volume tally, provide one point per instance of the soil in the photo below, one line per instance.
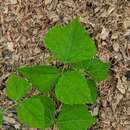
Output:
(23, 24)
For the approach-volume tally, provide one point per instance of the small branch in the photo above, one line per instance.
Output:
(64, 67)
(54, 127)
(10, 107)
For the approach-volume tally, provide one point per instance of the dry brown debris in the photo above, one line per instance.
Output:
(23, 24)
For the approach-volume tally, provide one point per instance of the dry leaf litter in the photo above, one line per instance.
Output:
(23, 24)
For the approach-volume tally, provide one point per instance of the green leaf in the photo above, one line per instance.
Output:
(49, 107)
(97, 69)
(72, 88)
(75, 117)
(16, 87)
(70, 43)
(41, 77)
(1, 117)
(93, 90)
(32, 113)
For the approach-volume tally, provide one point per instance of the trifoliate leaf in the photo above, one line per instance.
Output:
(70, 43)
(75, 117)
(16, 87)
(41, 77)
(72, 88)
(1, 117)
(97, 69)
(93, 90)
(49, 110)
(32, 113)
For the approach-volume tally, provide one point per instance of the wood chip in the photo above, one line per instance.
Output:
(48, 2)
(9, 120)
(116, 47)
(127, 24)
(69, 3)
(121, 86)
(53, 16)
(114, 104)
(114, 36)
(104, 34)
(128, 111)
(13, 1)
(10, 46)
(54, 4)
(95, 111)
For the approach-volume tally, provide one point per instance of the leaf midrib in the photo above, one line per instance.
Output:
(61, 122)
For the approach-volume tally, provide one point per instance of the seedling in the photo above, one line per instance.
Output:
(63, 93)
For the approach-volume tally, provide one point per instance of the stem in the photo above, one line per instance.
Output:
(63, 68)
(10, 107)
(13, 105)
(54, 127)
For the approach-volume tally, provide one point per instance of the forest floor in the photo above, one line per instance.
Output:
(23, 24)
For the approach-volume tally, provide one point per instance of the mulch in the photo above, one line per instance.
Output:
(23, 24)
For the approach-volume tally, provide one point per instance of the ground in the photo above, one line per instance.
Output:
(23, 24)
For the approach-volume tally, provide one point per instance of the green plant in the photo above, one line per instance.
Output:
(63, 94)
